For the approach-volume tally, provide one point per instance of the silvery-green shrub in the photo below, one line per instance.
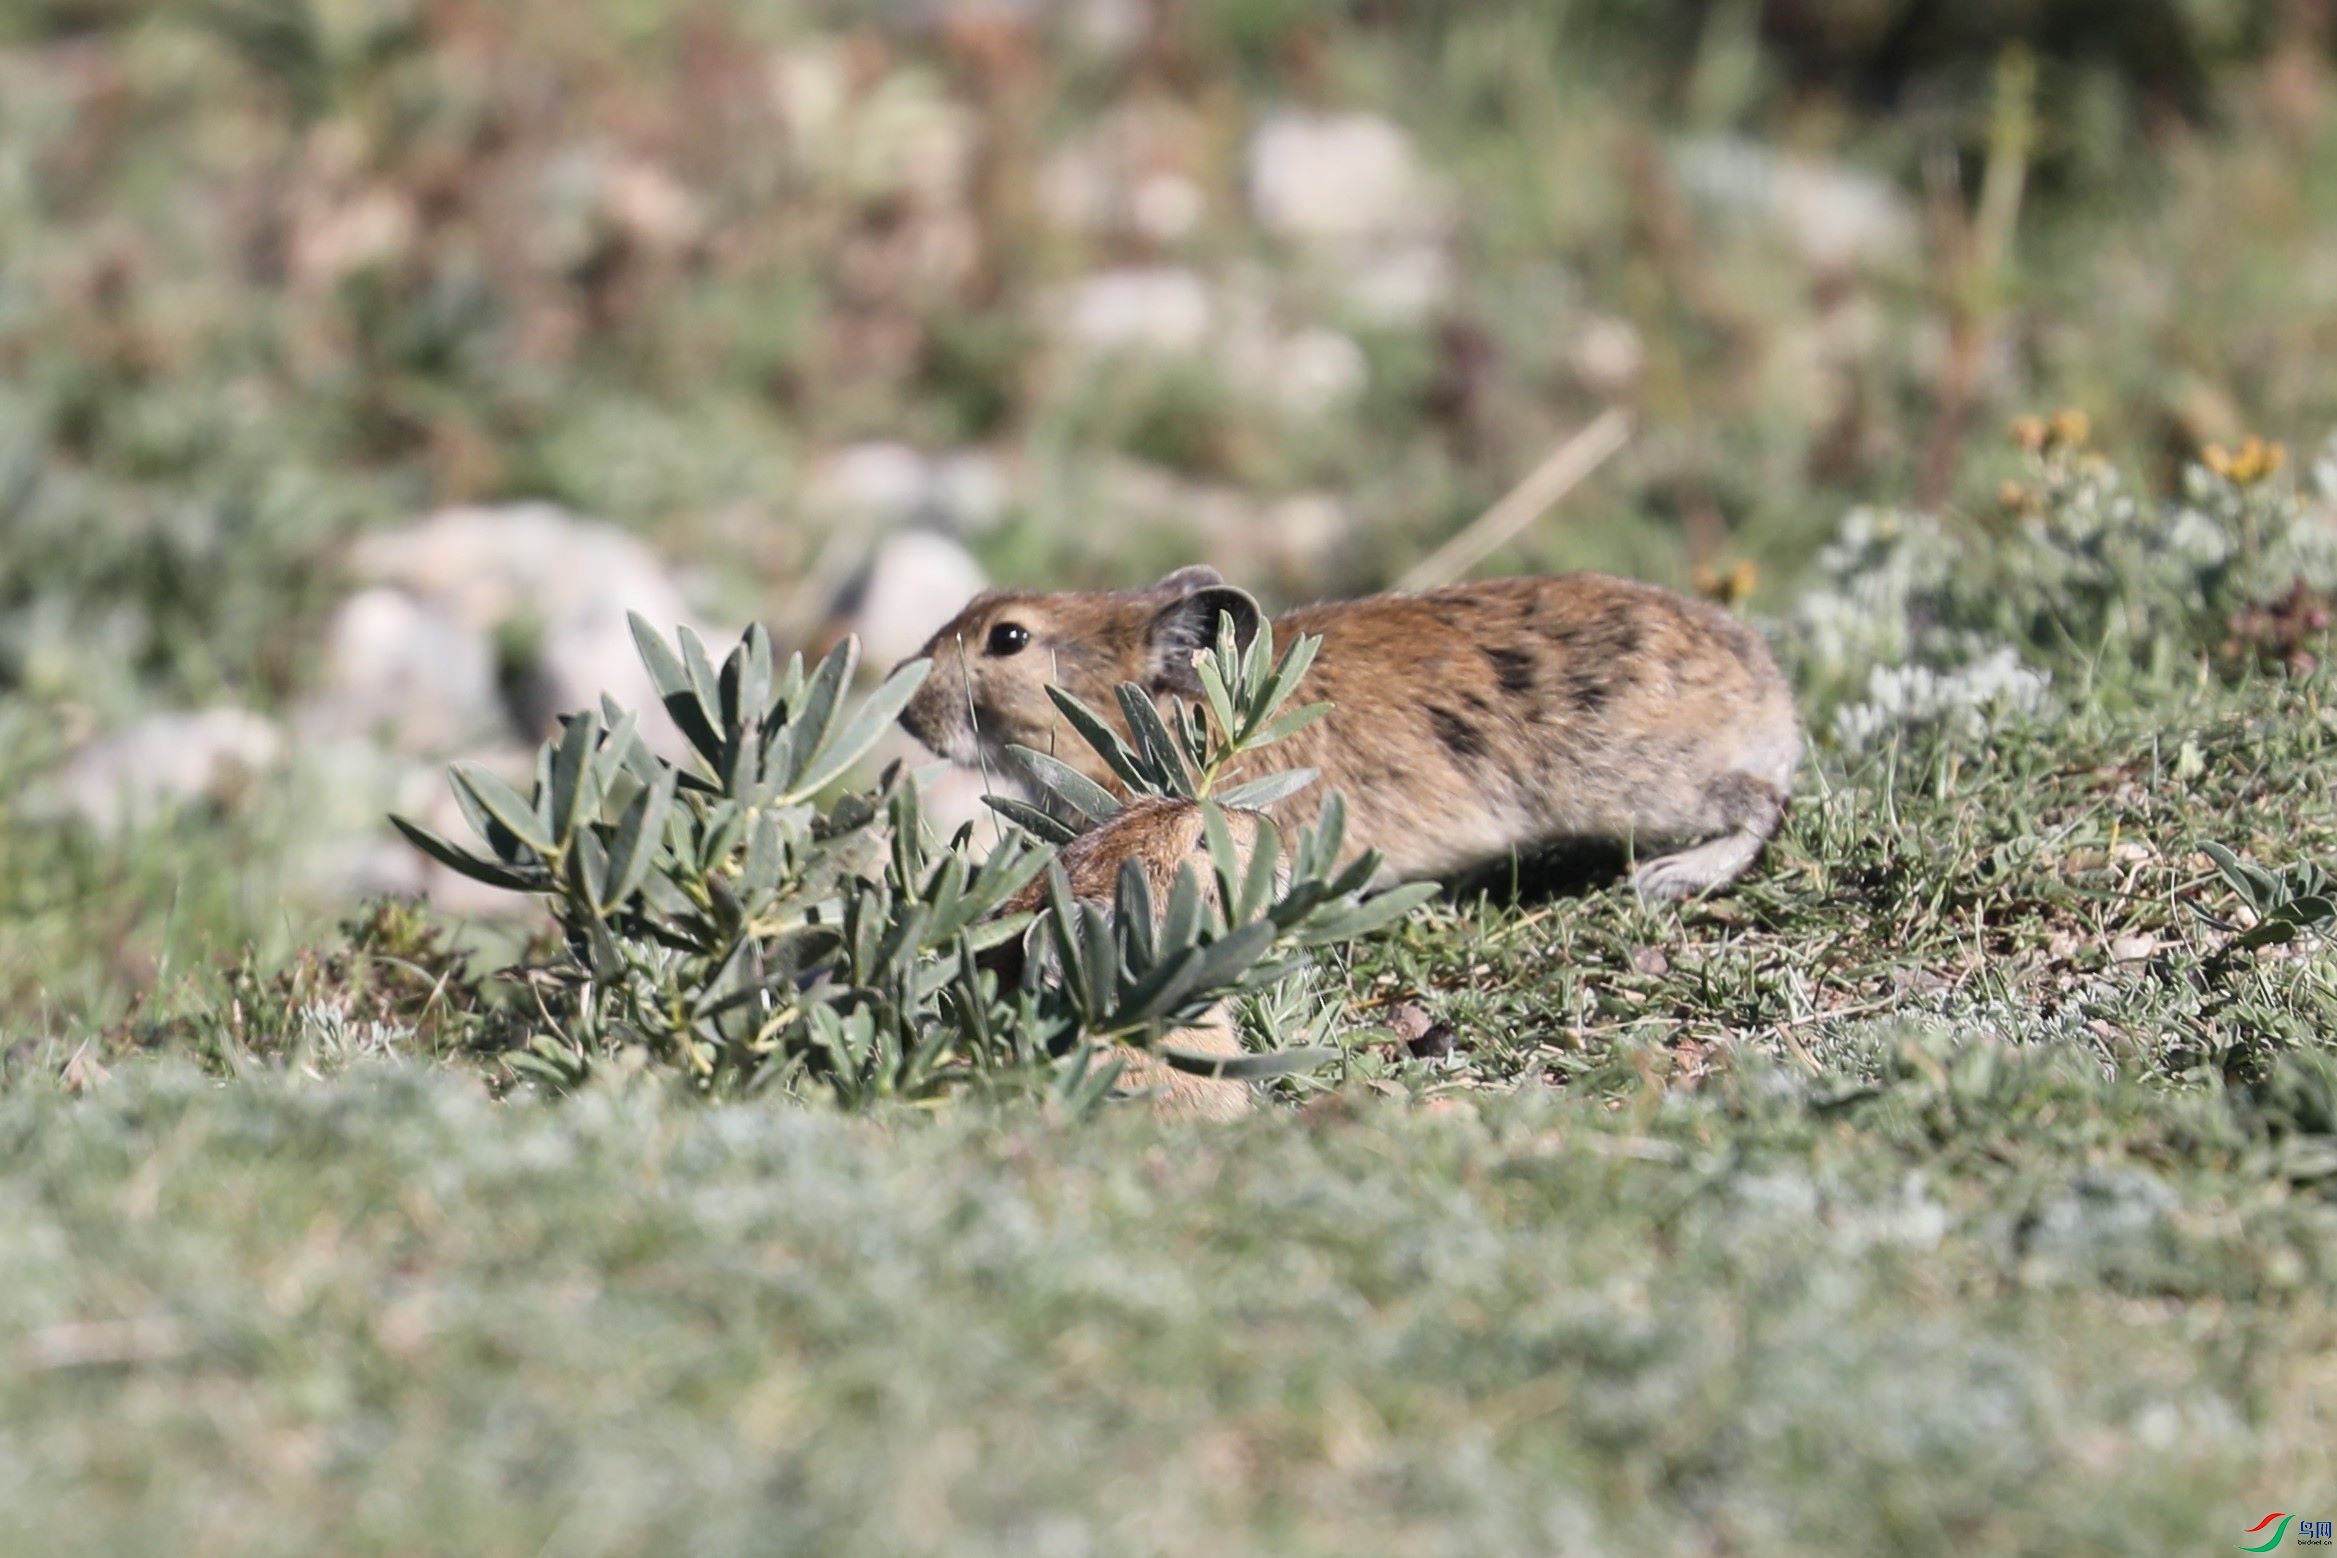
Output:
(751, 919)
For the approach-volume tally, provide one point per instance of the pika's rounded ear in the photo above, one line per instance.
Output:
(1188, 624)
(1187, 580)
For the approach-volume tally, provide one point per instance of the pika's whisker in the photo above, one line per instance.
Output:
(981, 756)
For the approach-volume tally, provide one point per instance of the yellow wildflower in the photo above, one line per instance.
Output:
(2254, 461)
(2066, 429)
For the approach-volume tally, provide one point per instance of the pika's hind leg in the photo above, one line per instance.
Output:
(1750, 808)
(1687, 872)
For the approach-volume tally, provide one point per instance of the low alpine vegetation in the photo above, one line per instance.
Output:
(748, 919)
(2077, 578)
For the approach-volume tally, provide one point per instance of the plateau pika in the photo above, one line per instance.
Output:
(1469, 725)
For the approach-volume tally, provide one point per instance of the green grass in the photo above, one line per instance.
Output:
(2003, 1302)
(1949, 1188)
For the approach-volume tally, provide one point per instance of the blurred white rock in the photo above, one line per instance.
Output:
(1238, 320)
(1399, 287)
(1166, 206)
(400, 668)
(1287, 543)
(916, 581)
(1303, 531)
(342, 789)
(135, 774)
(884, 484)
(1320, 371)
(1608, 356)
(372, 864)
(1158, 207)
(535, 573)
(1110, 29)
(971, 492)
(896, 136)
(810, 87)
(876, 481)
(1135, 174)
(1338, 179)
(1836, 216)
(649, 206)
(1304, 372)
(1160, 309)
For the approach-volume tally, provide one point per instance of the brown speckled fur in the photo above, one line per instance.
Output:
(1469, 725)
(1160, 836)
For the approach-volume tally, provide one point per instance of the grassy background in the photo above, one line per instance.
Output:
(2001, 1306)
(1949, 1188)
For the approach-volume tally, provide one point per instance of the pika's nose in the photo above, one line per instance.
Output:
(917, 714)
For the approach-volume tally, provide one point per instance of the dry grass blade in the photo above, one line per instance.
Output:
(1567, 467)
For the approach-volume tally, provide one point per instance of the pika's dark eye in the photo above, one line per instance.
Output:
(1009, 638)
